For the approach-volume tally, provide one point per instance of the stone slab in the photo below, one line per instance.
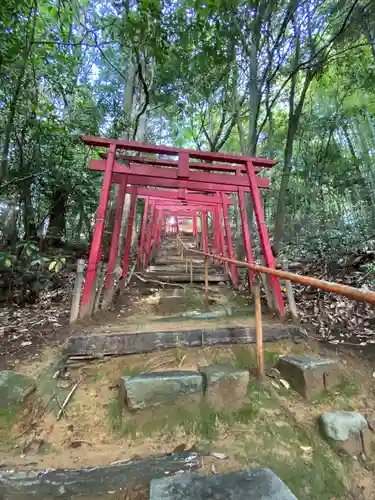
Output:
(90, 482)
(184, 278)
(160, 388)
(225, 385)
(250, 484)
(310, 375)
(344, 429)
(14, 388)
(171, 301)
(122, 343)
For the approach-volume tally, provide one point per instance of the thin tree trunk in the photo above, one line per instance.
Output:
(14, 100)
(293, 123)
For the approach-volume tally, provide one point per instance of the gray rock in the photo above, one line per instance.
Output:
(94, 481)
(14, 388)
(160, 388)
(310, 375)
(225, 386)
(340, 425)
(250, 484)
(222, 371)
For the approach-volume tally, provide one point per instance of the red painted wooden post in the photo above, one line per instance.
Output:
(159, 228)
(195, 226)
(217, 230)
(95, 251)
(223, 250)
(115, 240)
(155, 229)
(205, 231)
(129, 232)
(150, 231)
(165, 227)
(143, 233)
(234, 273)
(263, 236)
(246, 234)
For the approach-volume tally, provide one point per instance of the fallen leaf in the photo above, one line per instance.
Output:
(179, 448)
(275, 384)
(285, 383)
(306, 448)
(213, 469)
(219, 456)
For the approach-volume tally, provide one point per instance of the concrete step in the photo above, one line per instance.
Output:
(185, 278)
(240, 485)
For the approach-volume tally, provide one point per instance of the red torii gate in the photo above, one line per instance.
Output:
(236, 174)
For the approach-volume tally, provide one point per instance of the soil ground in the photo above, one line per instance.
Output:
(275, 428)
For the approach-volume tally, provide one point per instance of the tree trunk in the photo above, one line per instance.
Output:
(293, 123)
(30, 227)
(56, 228)
(14, 100)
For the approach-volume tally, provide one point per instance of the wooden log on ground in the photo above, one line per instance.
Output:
(94, 481)
(118, 344)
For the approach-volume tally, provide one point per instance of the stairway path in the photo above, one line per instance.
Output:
(169, 267)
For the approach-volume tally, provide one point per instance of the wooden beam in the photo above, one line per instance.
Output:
(144, 175)
(167, 150)
(218, 167)
(118, 344)
(93, 482)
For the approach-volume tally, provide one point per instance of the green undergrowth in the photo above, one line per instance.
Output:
(304, 462)
(8, 417)
(348, 388)
(245, 357)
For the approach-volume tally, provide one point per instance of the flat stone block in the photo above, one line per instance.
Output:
(14, 388)
(225, 385)
(250, 484)
(160, 388)
(310, 375)
(344, 429)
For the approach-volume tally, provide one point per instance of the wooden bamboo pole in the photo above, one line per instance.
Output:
(191, 269)
(74, 311)
(345, 290)
(206, 275)
(290, 294)
(259, 329)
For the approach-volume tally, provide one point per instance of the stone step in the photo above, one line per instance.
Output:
(185, 278)
(250, 484)
(310, 375)
(177, 270)
(148, 390)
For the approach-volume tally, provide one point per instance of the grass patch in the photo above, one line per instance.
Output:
(245, 357)
(316, 475)
(195, 299)
(96, 376)
(202, 421)
(348, 388)
(8, 417)
(131, 371)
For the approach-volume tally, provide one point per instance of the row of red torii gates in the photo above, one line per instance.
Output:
(183, 184)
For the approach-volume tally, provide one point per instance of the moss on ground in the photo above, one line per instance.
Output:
(8, 418)
(307, 465)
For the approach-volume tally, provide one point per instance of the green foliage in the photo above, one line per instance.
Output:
(192, 74)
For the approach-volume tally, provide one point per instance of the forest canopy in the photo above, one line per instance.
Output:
(285, 79)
